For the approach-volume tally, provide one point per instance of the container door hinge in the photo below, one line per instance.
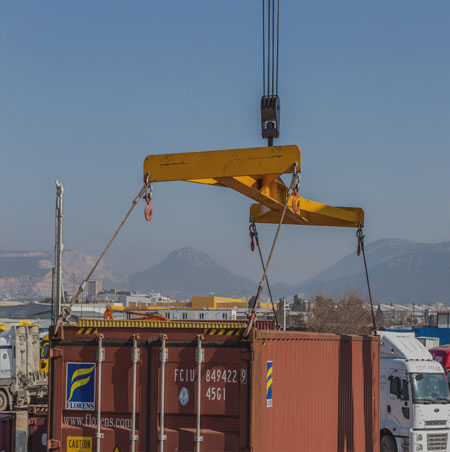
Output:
(53, 444)
(56, 353)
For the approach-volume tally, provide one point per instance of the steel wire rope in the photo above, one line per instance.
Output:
(268, 47)
(271, 57)
(360, 235)
(255, 235)
(294, 181)
(273, 45)
(278, 40)
(264, 48)
(66, 311)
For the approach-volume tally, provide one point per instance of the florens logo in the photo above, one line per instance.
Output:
(80, 386)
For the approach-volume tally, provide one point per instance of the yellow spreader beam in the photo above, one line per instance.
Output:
(254, 172)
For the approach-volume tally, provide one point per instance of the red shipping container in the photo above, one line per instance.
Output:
(276, 390)
(37, 429)
(7, 432)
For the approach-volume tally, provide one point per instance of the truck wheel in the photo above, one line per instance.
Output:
(387, 444)
(3, 400)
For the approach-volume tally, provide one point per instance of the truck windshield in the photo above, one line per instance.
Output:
(429, 388)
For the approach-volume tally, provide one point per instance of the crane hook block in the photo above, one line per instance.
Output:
(270, 116)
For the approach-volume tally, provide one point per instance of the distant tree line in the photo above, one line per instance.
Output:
(344, 315)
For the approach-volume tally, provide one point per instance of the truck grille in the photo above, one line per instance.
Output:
(437, 441)
(443, 422)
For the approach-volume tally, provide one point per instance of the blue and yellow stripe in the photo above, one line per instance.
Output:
(269, 384)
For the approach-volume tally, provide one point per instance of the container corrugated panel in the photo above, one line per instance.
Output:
(323, 390)
(428, 331)
(73, 397)
(442, 333)
(321, 394)
(7, 431)
(37, 430)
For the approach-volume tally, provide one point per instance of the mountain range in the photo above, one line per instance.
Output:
(400, 271)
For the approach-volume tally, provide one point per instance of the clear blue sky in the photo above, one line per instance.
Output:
(89, 88)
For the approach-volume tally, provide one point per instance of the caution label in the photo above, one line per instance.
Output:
(79, 444)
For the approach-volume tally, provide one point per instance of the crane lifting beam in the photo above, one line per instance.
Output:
(254, 172)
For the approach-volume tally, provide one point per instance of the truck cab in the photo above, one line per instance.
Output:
(414, 396)
(442, 355)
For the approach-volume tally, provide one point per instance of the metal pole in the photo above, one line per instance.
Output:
(27, 355)
(58, 251)
(199, 358)
(53, 296)
(163, 357)
(134, 360)
(100, 359)
(284, 314)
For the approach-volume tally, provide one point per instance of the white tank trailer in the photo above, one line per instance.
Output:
(21, 382)
(414, 397)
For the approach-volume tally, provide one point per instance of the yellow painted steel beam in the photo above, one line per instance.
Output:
(311, 213)
(201, 166)
(272, 198)
(254, 172)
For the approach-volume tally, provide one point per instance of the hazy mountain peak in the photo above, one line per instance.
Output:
(400, 271)
(190, 256)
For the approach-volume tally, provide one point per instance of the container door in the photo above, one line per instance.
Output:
(76, 380)
(224, 400)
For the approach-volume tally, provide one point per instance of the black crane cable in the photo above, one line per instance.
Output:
(264, 49)
(270, 58)
(254, 236)
(278, 37)
(360, 235)
(273, 42)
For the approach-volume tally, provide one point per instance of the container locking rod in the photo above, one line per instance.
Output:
(135, 356)
(100, 358)
(163, 358)
(199, 359)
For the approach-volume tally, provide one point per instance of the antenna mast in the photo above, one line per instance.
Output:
(58, 252)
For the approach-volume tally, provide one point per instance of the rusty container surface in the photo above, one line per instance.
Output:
(37, 429)
(274, 391)
(315, 392)
(7, 431)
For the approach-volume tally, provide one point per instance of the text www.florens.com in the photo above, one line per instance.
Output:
(89, 420)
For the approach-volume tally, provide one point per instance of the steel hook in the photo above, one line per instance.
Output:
(148, 213)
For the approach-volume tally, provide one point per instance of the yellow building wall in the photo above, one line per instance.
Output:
(218, 302)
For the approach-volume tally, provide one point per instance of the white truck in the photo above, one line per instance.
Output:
(414, 397)
(21, 381)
